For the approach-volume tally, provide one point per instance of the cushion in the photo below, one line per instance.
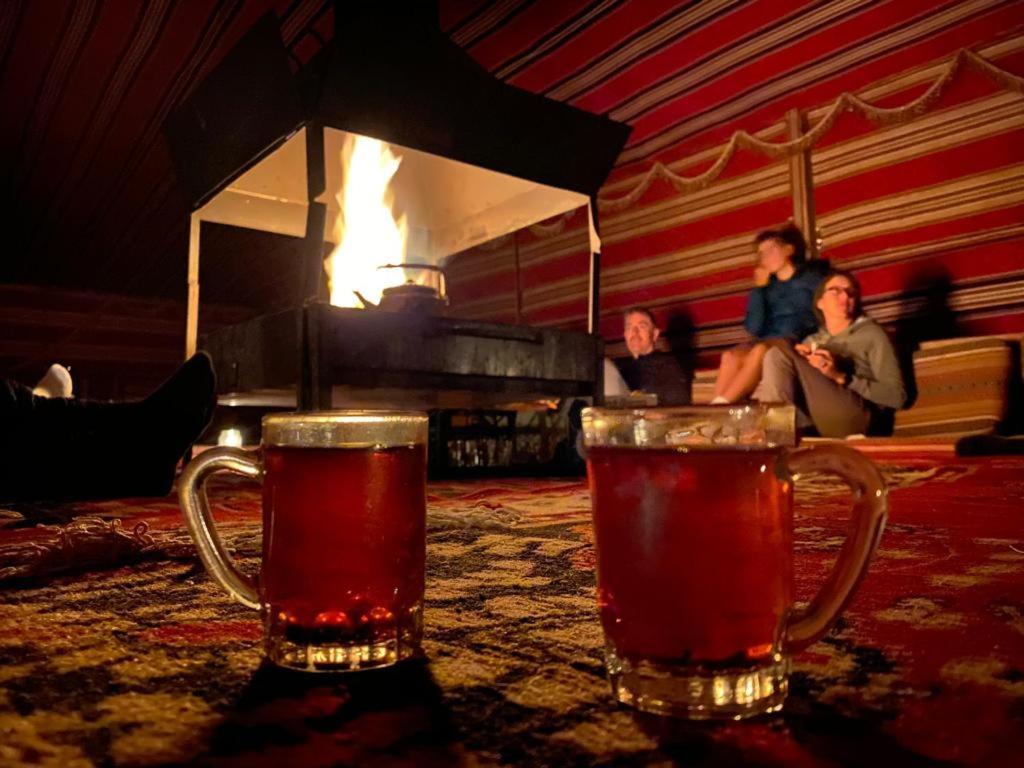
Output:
(963, 388)
(703, 388)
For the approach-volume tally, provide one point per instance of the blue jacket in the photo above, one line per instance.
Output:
(782, 309)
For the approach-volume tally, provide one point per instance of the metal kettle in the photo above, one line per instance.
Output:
(412, 296)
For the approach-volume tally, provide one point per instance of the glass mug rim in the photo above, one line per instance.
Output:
(345, 428)
(746, 426)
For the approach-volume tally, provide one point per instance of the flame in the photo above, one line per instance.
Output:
(366, 232)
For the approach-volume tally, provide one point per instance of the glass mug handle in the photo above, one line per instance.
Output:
(192, 496)
(866, 523)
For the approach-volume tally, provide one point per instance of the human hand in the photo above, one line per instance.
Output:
(803, 349)
(761, 276)
(823, 361)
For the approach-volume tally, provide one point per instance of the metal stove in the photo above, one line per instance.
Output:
(258, 147)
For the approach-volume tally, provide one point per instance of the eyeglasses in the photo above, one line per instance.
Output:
(837, 289)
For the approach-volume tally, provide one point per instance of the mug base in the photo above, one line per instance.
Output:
(321, 650)
(697, 694)
(329, 657)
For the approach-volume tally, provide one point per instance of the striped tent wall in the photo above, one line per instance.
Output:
(116, 346)
(930, 213)
(927, 210)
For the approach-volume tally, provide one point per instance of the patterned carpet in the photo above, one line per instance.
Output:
(121, 651)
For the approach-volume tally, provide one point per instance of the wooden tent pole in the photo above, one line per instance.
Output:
(192, 313)
(802, 186)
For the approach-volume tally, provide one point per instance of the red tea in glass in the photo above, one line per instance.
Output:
(696, 546)
(344, 536)
(345, 545)
(693, 529)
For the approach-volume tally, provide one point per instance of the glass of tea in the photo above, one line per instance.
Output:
(693, 523)
(344, 535)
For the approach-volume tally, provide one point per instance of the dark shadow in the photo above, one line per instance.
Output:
(286, 717)
(837, 737)
(679, 334)
(930, 318)
(698, 743)
(825, 733)
(819, 266)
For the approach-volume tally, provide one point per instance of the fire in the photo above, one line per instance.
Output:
(366, 232)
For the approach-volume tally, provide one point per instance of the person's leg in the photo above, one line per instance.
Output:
(778, 379)
(835, 411)
(749, 374)
(71, 449)
(728, 367)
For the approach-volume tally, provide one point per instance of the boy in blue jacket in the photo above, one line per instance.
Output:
(779, 310)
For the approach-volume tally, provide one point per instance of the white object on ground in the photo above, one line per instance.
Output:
(56, 382)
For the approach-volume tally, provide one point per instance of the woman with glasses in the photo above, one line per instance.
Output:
(844, 378)
(779, 310)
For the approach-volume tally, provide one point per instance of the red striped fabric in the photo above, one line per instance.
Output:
(932, 205)
(116, 346)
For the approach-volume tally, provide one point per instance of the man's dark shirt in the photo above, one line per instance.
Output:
(658, 373)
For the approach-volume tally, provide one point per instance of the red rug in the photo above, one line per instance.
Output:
(119, 650)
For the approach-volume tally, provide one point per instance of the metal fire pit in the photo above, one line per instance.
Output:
(257, 146)
(320, 356)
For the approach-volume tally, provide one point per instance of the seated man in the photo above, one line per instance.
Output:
(844, 379)
(647, 370)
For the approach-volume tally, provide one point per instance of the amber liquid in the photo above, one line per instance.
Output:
(694, 553)
(344, 542)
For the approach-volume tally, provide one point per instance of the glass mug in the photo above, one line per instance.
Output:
(344, 535)
(693, 529)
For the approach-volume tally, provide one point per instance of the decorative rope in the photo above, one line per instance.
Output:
(846, 102)
(91, 542)
(554, 228)
(84, 543)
